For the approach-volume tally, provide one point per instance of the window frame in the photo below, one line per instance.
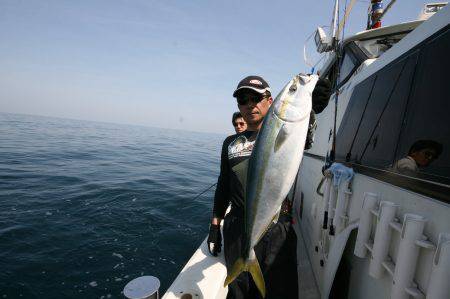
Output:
(356, 55)
(412, 104)
(431, 188)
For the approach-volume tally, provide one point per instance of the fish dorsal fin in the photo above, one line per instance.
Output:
(282, 136)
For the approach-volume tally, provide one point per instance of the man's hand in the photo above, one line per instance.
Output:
(321, 95)
(214, 239)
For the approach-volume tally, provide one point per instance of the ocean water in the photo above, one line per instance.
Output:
(85, 207)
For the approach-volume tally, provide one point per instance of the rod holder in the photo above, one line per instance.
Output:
(439, 286)
(365, 224)
(408, 252)
(326, 199)
(341, 207)
(317, 225)
(332, 207)
(382, 238)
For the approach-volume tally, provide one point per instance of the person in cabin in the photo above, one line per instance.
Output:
(238, 122)
(420, 155)
(276, 251)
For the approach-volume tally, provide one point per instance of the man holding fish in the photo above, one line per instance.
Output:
(258, 168)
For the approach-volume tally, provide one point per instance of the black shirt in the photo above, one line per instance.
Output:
(236, 151)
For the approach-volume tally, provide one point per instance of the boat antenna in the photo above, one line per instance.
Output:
(334, 22)
(347, 10)
(346, 15)
(204, 191)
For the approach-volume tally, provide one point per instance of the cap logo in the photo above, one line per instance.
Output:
(255, 81)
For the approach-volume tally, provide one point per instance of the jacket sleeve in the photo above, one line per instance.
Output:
(221, 197)
(321, 95)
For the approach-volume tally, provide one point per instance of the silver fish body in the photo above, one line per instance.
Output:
(273, 167)
(277, 154)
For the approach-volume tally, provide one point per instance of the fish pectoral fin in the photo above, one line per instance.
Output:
(282, 136)
(251, 266)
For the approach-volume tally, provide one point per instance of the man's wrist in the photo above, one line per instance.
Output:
(214, 227)
(215, 221)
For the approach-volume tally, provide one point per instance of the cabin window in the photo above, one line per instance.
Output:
(348, 65)
(351, 59)
(379, 130)
(331, 75)
(424, 145)
(375, 47)
(352, 118)
(371, 126)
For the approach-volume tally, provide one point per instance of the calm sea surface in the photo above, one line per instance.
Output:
(85, 207)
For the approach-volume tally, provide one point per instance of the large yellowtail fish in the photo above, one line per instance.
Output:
(273, 167)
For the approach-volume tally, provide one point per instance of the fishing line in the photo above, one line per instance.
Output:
(204, 191)
(305, 58)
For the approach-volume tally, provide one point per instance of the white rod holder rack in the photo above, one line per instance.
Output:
(331, 208)
(382, 238)
(326, 199)
(439, 286)
(405, 266)
(412, 240)
(365, 224)
(340, 217)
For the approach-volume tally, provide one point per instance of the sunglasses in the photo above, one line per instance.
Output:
(247, 98)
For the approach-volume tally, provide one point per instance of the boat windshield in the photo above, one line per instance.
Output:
(374, 47)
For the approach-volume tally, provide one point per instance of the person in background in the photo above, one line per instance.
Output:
(279, 270)
(239, 123)
(420, 155)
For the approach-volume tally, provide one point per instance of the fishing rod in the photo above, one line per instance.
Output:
(335, 45)
(204, 191)
(338, 28)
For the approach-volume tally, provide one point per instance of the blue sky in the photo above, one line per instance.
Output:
(171, 64)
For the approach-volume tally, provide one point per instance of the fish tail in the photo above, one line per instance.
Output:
(252, 266)
(255, 271)
(238, 267)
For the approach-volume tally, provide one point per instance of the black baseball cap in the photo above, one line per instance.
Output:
(255, 83)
